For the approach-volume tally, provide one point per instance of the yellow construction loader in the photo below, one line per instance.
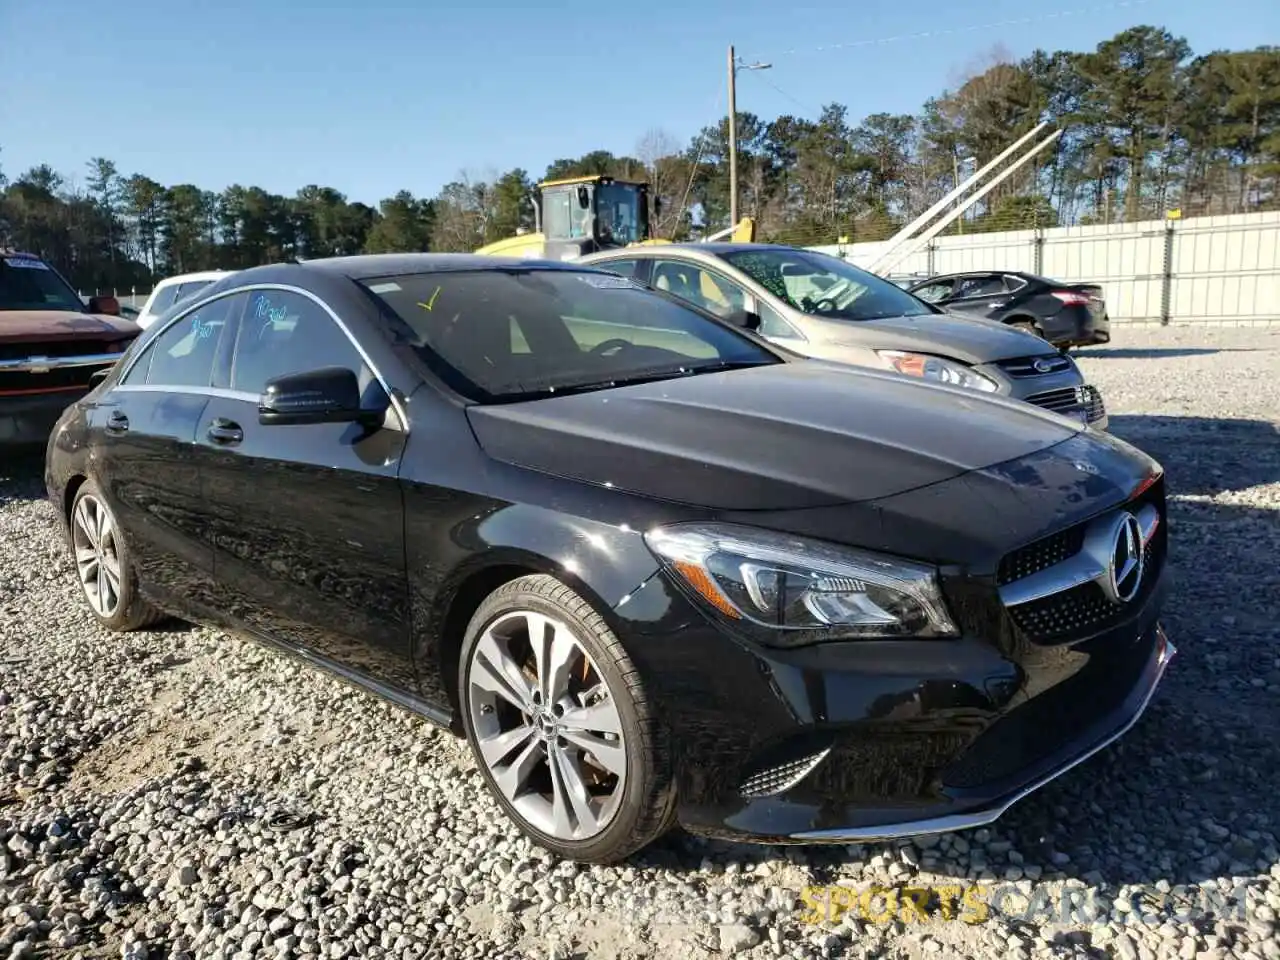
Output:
(581, 215)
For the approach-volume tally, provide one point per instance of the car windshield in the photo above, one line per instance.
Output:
(27, 283)
(510, 334)
(825, 286)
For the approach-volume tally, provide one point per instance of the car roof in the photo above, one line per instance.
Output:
(366, 266)
(195, 275)
(694, 246)
(983, 273)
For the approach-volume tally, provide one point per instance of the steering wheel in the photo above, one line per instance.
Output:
(608, 346)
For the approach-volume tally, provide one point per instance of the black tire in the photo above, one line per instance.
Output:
(1027, 326)
(131, 612)
(647, 807)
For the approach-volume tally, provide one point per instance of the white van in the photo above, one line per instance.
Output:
(171, 290)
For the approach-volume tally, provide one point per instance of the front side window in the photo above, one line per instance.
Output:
(772, 324)
(980, 286)
(699, 286)
(28, 283)
(283, 333)
(184, 355)
(825, 286)
(498, 335)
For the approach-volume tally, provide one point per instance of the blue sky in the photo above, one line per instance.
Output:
(377, 95)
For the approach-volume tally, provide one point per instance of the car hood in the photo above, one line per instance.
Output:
(972, 340)
(788, 435)
(17, 326)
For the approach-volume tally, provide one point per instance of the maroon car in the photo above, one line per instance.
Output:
(51, 345)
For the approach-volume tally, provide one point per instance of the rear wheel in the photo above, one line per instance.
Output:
(1025, 325)
(560, 725)
(103, 567)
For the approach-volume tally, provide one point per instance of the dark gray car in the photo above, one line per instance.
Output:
(820, 306)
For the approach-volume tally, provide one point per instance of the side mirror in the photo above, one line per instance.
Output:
(328, 395)
(109, 306)
(745, 319)
(584, 198)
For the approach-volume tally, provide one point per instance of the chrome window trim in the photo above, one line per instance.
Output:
(221, 392)
(157, 330)
(401, 413)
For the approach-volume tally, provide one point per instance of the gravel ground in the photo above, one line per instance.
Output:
(183, 793)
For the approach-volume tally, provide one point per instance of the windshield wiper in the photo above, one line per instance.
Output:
(627, 380)
(717, 365)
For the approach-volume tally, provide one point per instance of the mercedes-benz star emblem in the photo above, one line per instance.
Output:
(1125, 574)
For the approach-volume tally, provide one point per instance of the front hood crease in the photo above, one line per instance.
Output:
(788, 436)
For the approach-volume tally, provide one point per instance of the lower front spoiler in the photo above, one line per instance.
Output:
(971, 819)
(960, 801)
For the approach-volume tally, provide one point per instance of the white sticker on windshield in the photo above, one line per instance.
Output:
(608, 281)
(28, 263)
(384, 288)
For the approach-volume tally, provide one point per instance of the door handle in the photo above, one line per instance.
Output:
(225, 431)
(117, 423)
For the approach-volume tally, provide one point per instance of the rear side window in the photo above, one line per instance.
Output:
(164, 299)
(184, 355)
(188, 289)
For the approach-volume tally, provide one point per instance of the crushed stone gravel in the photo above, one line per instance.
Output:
(184, 793)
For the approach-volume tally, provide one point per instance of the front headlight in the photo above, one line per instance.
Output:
(935, 368)
(791, 591)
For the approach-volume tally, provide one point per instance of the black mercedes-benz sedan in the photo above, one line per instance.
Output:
(653, 569)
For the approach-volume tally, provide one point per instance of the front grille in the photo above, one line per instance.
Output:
(1093, 403)
(1041, 555)
(1052, 721)
(57, 348)
(1082, 610)
(779, 779)
(66, 378)
(1066, 398)
(1021, 367)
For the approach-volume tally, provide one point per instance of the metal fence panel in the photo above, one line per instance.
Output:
(1211, 270)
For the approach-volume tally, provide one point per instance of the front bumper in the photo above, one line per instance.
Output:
(867, 740)
(1097, 738)
(28, 419)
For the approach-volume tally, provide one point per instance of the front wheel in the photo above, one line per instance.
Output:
(560, 725)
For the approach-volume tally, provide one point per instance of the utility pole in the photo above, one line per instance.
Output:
(734, 67)
(732, 137)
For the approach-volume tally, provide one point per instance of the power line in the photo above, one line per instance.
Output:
(950, 31)
(777, 89)
(697, 161)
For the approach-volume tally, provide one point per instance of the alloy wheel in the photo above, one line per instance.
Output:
(547, 725)
(93, 535)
